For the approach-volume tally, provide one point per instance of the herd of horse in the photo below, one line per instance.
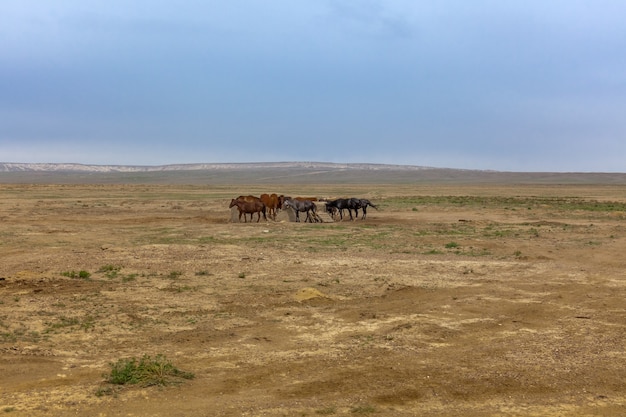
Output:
(271, 204)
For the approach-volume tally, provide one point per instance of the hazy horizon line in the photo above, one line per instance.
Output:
(4, 166)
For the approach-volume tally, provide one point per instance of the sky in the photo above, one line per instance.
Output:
(528, 85)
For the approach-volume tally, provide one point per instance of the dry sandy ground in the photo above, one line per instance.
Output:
(448, 301)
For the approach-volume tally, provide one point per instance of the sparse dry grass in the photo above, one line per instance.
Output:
(474, 299)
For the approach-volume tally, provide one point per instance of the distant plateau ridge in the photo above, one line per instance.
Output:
(75, 167)
(284, 172)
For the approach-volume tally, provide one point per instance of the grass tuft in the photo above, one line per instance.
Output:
(146, 371)
(326, 411)
(73, 274)
(363, 409)
(109, 271)
(175, 274)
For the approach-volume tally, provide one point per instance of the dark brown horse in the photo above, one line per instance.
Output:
(245, 205)
(281, 201)
(249, 198)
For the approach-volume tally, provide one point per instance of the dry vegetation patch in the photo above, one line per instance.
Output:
(451, 300)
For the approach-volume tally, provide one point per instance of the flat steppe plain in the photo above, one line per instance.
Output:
(449, 300)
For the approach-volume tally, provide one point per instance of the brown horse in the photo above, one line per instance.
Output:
(281, 201)
(245, 204)
(249, 198)
(272, 203)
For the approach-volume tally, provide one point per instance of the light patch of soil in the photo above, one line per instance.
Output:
(503, 301)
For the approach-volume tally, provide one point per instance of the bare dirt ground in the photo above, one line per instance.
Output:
(449, 300)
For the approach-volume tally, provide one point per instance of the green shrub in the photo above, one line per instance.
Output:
(73, 274)
(146, 371)
(110, 271)
(175, 274)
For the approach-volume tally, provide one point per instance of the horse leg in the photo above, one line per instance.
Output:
(315, 217)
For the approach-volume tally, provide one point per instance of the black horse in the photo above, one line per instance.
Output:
(339, 205)
(302, 205)
(361, 203)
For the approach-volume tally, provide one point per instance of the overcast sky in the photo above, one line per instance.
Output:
(528, 85)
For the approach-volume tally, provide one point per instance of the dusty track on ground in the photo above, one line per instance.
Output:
(449, 300)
